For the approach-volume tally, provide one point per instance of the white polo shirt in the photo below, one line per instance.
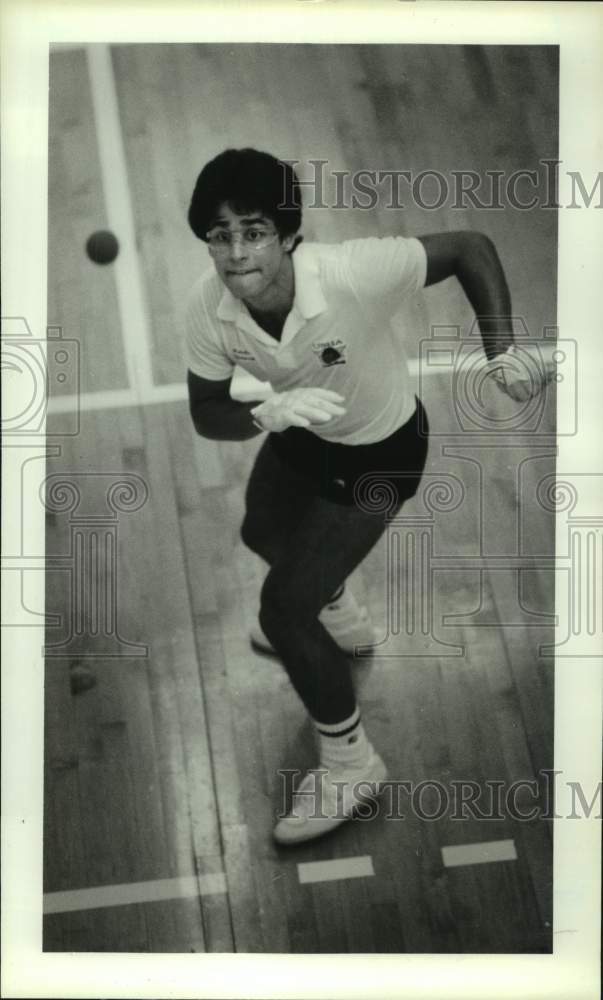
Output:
(338, 334)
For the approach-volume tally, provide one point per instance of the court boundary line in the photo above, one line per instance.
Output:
(131, 292)
(129, 893)
(479, 853)
(245, 388)
(335, 869)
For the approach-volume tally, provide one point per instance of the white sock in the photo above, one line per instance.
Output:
(343, 744)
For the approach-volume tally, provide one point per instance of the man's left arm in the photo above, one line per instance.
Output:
(472, 258)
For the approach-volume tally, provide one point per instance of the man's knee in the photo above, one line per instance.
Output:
(281, 603)
(252, 535)
(272, 605)
(246, 532)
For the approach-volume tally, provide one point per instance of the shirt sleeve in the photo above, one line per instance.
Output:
(385, 266)
(205, 353)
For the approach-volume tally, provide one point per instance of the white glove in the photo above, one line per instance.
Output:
(523, 371)
(298, 408)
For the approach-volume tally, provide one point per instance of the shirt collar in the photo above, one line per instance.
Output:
(309, 297)
(309, 300)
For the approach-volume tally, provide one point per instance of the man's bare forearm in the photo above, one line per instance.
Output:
(483, 280)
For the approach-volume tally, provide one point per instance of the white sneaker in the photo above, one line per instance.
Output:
(327, 797)
(345, 620)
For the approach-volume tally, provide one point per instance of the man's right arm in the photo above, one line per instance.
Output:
(216, 414)
(219, 417)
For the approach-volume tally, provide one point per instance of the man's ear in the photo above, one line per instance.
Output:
(290, 242)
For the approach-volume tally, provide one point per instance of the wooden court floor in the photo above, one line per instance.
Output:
(165, 733)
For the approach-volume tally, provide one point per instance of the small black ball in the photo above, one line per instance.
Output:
(102, 247)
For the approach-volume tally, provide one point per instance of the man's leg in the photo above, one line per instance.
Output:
(312, 546)
(328, 543)
(277, 499)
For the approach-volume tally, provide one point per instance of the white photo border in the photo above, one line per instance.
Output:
(27, 29)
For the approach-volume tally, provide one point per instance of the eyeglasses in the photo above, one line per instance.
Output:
(220, 241)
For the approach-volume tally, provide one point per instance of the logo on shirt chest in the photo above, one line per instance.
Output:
(330, 352)
(242, 354)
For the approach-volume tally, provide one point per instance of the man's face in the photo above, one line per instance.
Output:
(246, 271)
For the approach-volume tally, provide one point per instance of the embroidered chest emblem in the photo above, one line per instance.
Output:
(330, 352)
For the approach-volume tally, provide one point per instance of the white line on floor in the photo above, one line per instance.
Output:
(109, 399)
(245, 387)
(102, 896)
(115, 399)
(478, 854)
(340, 868)
(114, 172)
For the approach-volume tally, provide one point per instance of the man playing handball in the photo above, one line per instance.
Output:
(314, 320)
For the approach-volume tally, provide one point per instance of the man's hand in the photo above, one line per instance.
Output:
(523, 372)
(298, 408)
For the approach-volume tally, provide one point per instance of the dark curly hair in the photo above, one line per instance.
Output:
(248, 181)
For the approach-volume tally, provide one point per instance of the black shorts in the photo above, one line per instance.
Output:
(359, 474)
